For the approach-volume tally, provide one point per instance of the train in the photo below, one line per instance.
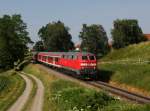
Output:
(83, 64)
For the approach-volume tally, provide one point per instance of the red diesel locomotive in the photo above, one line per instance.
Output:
(82, 63)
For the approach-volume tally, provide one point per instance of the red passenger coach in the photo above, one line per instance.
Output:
(83, 63)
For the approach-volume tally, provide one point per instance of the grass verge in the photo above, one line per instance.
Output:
(130, 74)
(63, 95)
(12, 86)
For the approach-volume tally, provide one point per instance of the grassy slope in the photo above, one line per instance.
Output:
(137, 75)
(13, 88)
(62, 95)
(136, 51)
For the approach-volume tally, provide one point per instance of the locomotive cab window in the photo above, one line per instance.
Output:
(91, 57)
(84, 58)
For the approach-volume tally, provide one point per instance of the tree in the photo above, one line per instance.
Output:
(13, 40)
(56, 37)
(126, 32)
(94, 39)
(39, 46)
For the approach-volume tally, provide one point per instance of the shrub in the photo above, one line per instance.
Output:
(4, 82)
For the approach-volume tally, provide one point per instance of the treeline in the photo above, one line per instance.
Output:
(55, 36)
(126, 32)
(13, 40)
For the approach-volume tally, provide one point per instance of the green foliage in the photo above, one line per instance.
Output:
(39, 46)
(13, 40)
(94, 39)
(21, 65)
(126, 32)
(68, 96)
(4, 82)
(56, 37)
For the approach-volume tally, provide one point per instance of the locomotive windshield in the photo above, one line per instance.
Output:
(91, 57)
(88, 58)
(84, 58)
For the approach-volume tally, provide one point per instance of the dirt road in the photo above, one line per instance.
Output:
(38, 99)
(18, 105)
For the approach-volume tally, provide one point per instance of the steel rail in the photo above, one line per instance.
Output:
(121, 92)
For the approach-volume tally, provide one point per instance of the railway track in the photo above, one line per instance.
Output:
(113, 90)
(121, 92)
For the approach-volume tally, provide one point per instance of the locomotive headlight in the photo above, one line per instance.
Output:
(84, 64)
(88, 64)
(93, 64)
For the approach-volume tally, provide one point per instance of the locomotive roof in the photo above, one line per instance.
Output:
(66, 53)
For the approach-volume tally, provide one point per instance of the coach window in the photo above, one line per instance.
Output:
(49, 59)
(45, 58)
(56, 59)
(84, 58)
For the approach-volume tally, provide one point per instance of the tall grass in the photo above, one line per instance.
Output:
(133, 75)
(129, 72)
(63, 95)
(67, 96)
(135, 51)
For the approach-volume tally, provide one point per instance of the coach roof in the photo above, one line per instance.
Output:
(65, 53)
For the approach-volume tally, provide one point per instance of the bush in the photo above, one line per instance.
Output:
(67, 96)
(4, 82)
(22, 65)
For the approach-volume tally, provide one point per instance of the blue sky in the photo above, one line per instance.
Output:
(74, 13)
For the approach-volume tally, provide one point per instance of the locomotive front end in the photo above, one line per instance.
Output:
(88, 66)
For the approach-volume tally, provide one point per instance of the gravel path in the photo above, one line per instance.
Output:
(18, 105)
(39, 97)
